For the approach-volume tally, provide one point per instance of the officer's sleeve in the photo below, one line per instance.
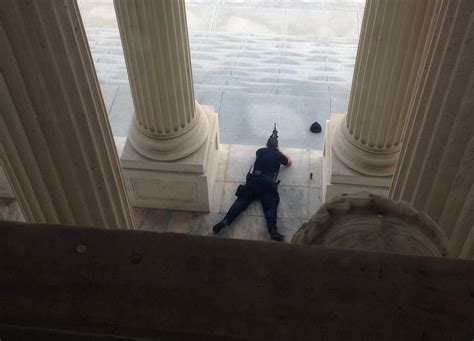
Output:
(284, 160)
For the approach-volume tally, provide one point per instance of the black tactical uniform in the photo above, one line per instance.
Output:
(261, 184)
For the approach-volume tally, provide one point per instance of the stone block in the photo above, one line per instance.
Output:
(184, 184)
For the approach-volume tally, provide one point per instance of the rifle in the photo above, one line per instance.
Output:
(275, 132)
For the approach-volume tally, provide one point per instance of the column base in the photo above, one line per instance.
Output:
(183, 184)
(367, 162)
(173, 148)
(338, 178)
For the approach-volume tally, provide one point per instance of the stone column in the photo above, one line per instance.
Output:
(55, 141)
(435, 172)
(365, 143)
(168, 124)
(173, 135)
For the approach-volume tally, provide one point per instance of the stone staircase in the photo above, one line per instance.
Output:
(247, 63)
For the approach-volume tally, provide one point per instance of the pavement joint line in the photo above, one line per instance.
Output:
(214, 18)
(113, 101)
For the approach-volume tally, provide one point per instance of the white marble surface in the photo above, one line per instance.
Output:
(300, 197)
(217, 193)
(315, 167)
(223, 155)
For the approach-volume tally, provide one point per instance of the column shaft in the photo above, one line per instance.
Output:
(55, 141)
(170, 158)
(390, 54)
(436, 168)
(168, 124)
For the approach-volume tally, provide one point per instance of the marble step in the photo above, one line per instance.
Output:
(289, 90)
(294, 4)
(246, 63)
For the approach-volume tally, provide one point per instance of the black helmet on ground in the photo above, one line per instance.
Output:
(315, 128)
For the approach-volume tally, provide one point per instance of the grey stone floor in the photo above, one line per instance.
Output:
(257, 62)
(300, 197)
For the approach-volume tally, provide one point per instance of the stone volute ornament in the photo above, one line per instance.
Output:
(370, 222)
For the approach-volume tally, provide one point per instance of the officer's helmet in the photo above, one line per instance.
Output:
(272, 143)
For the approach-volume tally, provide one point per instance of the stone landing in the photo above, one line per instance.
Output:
(300, 195)
(183, 184)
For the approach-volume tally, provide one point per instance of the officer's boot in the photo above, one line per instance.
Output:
(275, 235)
(219, 226)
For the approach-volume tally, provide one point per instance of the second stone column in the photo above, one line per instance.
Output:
(170, 157)
(362, 147)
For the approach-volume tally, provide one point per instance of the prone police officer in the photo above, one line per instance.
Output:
(262, 183)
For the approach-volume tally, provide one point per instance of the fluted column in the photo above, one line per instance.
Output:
(170, 158)
(168, 124)
(392, 41)
(55, 141)
(435, 172)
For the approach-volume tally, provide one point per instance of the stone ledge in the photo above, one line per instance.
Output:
(70, 280)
